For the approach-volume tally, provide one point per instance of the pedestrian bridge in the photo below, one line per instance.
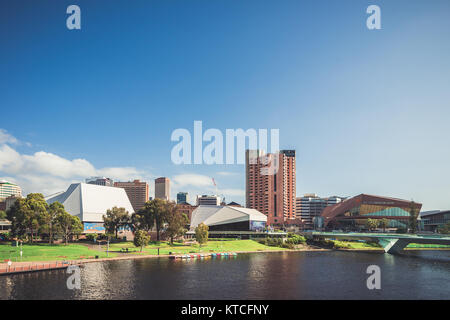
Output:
(391, 242)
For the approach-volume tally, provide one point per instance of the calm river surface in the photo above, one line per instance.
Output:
(285, 275)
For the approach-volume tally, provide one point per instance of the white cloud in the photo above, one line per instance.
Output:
(49, 173)
(5, 137)
(193, 180)
(197, 184)
(49, 163)
(226, 173)
(233, 192)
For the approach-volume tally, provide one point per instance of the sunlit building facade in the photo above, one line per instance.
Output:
(352, 214)
(9, 189)
(270, 191)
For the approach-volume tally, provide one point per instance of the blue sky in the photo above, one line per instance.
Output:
(367, 111)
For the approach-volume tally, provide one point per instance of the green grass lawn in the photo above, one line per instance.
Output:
(431, 246)
(211, 246)
(46, 252)
(357, 245)
(369, 246)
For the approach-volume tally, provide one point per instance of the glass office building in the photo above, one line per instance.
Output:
(352, 214)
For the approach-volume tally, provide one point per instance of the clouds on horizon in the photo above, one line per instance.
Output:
(49, 173)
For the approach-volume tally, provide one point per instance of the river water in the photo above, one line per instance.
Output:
(284, 275)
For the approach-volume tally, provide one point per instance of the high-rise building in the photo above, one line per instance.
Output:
(9, 189)
(270, 191)
(100, 181)
(205, 200)
(310, 206)
(182, 197)
(162, 188)
(137, 191)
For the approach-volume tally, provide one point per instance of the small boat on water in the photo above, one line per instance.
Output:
(213, 255)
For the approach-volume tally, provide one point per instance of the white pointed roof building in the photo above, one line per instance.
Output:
(227, 218)
(89, 202)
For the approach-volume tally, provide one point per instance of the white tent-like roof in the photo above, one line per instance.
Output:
(216, 215)
(89, 202)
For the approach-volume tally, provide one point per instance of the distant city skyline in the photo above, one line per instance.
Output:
(366, 110)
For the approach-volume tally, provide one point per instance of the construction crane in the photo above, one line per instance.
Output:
(217, 191)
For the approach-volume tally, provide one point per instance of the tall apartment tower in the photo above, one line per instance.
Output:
(162, 188)
(272, 193)
(137, 192)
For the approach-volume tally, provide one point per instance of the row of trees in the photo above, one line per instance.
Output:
(32, 217)
(156, 214)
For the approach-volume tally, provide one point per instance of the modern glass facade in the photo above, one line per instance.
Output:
(352, 214)
(432, 220)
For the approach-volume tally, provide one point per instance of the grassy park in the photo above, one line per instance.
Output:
(180, 248)
(46, 252)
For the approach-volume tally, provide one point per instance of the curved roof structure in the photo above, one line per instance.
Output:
(216, 215)
(331, 212)
(89, 202)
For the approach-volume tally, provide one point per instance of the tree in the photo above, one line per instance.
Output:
(49, 219)
(413, 215)
(384, 223)
(142, 220)
(70, 225)
(201, 233)
(2, 215)
(36, 206)
(16, 215)
(25, 215)
(141, 239)
(115, 219)
(155, 213)
(371, 224)
(176, 221)
(445, 228)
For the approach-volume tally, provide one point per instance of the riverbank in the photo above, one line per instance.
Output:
(40, 257)
(32, 266)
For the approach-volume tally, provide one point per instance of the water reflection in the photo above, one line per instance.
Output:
(284, 275)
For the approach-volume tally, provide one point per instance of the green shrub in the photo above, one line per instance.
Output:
(92, 236)
(288, 245)
(296, 239)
